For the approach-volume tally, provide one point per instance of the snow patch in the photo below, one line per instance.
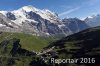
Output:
(1, 25)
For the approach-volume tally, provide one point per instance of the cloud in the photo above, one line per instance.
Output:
(68, 11)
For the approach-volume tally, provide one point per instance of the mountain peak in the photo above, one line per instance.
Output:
(29, 8)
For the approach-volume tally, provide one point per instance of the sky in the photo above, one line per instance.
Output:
(64, 8)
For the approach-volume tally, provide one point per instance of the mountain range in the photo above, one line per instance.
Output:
(31, 20)
(93, 20)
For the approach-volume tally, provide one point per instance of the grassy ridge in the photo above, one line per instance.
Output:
(84, 44)
(27, 41)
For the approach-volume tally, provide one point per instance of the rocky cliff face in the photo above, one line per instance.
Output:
(75, 24)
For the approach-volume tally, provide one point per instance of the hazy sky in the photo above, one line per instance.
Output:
(64, 8)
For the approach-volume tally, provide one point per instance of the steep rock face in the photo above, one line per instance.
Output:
(29, 19)
(11, 16)
(4, 21)
(75, 24)
(7, 25)
(93, 21)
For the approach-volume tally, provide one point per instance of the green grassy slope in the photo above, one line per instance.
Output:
(15, 49)
(12, 54)
(27, 41)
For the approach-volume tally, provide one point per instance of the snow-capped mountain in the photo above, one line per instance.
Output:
(29, 19)
(93, 21)
(27, 13)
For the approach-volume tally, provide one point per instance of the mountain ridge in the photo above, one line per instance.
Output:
(83, 44)
(93, 20)
(29, 19)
